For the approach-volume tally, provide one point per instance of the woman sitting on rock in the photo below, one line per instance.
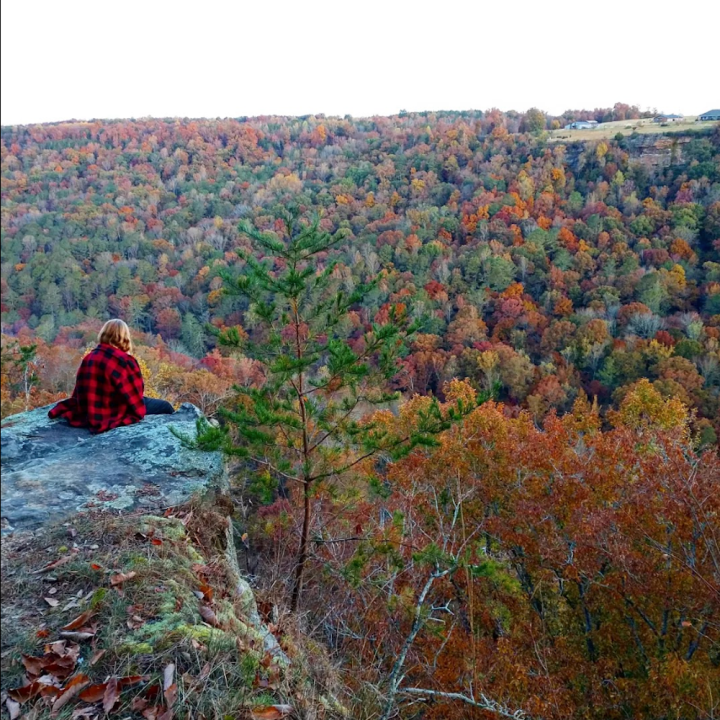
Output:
(109, 386)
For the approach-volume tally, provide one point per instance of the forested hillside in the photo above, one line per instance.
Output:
(531, 530)
(541, 270)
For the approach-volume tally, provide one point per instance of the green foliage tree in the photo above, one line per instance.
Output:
(534, 120)
(192, 335)
(303, 427)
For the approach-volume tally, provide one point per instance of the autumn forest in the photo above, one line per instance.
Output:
(517, 514)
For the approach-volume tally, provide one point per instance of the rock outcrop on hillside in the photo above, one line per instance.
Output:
(51, 471)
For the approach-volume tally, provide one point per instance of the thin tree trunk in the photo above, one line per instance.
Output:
(302, 551)
(26, 388)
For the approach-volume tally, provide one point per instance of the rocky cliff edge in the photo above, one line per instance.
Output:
(51, 471)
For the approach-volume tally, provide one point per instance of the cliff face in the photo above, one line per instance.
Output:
(657, 150)
(51, 471)
(649, 150)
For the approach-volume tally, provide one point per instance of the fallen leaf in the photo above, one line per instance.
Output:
(138, 703)
(94, 693)
(52, 602)
(171, 695)
(56, 563)
(34, 665)
(42, 633)
(111, 695)
(79, 621)
(204, 672)
(95, 566)
(50, 680)
(63, 649)
(49, 691)
(76, 684)
(61, 668)
(13, 708)
(132, 679)
(209, 616)
(122, 577)
(270, 712)
(72, 604)
(168, 676)
(274, 678)
(187, 518)
(166, 715)
(61, 661)
(96, 657)
(151, 713)
(156, 541)
(52, 591)
(58, 647)
(206, 590)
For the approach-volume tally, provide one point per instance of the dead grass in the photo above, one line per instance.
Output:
(175, 568)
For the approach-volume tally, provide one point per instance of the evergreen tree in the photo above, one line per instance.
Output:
(192, 335)
(303, 427)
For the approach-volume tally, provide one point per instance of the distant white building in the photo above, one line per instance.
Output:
(582, 125)
(668, 118)
(710, 115)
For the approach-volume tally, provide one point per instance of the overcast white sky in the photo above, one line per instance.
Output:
(84, 59)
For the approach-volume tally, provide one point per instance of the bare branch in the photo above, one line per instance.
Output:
(483, 702)
(396, 673)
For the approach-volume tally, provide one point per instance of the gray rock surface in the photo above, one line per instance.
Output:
(50, 470)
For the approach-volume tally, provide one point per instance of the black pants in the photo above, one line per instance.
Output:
(153, 406)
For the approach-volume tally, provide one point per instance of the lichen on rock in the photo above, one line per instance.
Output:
(51, 470)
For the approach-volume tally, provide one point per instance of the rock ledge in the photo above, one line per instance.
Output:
(51, 471)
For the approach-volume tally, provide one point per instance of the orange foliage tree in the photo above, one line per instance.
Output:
(562, 571)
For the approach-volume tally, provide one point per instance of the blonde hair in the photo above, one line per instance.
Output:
(116, 333)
